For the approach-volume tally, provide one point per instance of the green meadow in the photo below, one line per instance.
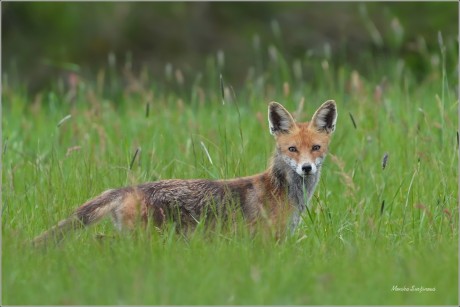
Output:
(383, 223)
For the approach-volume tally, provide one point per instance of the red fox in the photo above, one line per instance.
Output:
(278, 195)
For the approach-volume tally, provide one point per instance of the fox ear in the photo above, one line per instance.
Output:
(325, 117)
(279, 118)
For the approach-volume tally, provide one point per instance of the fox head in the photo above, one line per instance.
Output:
(302, 146)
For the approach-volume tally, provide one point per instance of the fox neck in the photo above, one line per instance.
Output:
(300, 189)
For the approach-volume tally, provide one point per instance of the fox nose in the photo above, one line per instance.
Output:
(306, 168)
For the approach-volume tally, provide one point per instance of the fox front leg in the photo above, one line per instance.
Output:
(295, 219)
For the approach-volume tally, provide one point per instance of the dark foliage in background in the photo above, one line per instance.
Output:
(42, 41)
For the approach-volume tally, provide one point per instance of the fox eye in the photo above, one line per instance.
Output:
(292, 149)
(315, 147)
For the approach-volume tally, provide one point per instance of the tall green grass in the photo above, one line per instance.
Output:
(370, 227)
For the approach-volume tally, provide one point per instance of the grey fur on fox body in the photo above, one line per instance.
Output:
(279, 195)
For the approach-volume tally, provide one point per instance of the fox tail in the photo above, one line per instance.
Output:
(89, 213)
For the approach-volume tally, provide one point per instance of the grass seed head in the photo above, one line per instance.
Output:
(384, 160)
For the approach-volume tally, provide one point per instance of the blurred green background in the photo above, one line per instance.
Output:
(42, 42)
